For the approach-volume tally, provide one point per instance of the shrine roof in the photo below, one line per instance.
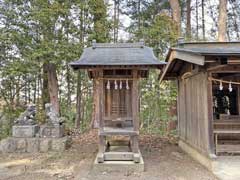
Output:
(208, 48)
(199, 53)
(118, 54)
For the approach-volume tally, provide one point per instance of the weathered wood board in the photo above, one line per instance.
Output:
(193, 111)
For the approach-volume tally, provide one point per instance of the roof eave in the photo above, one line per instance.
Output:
(190, 57)
(93, 66)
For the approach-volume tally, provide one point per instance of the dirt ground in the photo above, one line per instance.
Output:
(163, 161)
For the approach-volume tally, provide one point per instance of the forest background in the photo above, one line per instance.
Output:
(38, 38)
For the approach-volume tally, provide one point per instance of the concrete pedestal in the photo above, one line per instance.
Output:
(25, 131)
(51, 131)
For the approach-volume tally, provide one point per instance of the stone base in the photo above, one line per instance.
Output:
(52, 131)
(203, 159)
(23, 131)
(118, 166)
(33, 145)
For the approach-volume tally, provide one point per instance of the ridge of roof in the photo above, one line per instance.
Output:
(118, 45)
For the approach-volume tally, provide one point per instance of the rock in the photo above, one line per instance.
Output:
(60, 144)
(7, 145)
(45, 145)
(33, 145)
(21, 145)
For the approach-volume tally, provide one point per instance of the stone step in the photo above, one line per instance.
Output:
(118, 166)
(118, 156)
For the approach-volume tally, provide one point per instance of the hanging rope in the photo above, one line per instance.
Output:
(186, 75)
(223, 81)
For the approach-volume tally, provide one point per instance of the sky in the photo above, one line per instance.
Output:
(124, 19)
(209, 8)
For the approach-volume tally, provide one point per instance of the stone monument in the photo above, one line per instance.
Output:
(25, 125)
(54, 126)
(28, 136)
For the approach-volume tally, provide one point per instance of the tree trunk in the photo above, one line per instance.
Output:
(53, 86)
(35, 89)
(203, 21)
(18, 92)
(39, 87)
(197, 25)
(29, 92)
(118, 16)
(222, 20)
(83, 105)
(79, 100)
(25, 90)
(176, 13)
(139, 17)
(115, 22)
(45, 95)
(79, 78)
(68, 87)
(188, 31)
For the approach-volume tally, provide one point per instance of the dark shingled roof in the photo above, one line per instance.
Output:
(208, 48)
(211, 51)
(198, 53)
(120, 54)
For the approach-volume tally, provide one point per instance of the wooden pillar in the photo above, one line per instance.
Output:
(135, 101)
(109, 103)
(210, 114)
(95, 115)
(135, 116)
(127, 104)
(101, 99)
(238, 98)
(101, 106)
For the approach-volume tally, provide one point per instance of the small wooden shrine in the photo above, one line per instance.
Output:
(208, 78)
(116, 70)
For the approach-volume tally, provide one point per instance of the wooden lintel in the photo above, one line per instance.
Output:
(217, 67)
(225, 69)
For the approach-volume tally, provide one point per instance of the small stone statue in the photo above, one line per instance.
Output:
(52, 116)
(27, 117)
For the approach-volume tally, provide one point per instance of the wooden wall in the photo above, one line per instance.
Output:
(193, 111)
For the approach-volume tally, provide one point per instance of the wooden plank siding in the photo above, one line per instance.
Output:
(193, 111)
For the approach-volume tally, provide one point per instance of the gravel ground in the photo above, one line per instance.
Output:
(164, 160)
